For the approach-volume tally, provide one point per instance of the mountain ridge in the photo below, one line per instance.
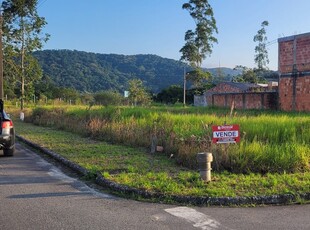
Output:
(93, 72)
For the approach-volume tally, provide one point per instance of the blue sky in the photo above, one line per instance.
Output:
(158, 27)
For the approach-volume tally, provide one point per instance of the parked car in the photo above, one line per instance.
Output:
(7, 133)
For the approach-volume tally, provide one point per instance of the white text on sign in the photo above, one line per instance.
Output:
(221, 134)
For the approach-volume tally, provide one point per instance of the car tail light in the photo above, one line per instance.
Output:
(7, 124)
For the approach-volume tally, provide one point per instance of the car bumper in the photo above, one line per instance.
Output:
(6, 141)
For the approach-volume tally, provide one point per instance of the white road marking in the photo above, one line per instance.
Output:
(198, 219)
(58, 174)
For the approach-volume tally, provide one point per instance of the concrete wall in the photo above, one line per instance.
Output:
(200, 100)
(294, 69)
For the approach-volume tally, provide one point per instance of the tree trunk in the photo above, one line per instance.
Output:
(1, 60)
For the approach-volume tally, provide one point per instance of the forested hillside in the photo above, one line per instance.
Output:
(92, 72)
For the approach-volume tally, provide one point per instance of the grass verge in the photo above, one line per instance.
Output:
(270, 142)
(135, 167)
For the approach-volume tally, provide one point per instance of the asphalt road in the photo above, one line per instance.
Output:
(35, 194)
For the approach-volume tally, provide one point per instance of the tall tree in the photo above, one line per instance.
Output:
(261, 56)
(171, 95)
(45, 88)
(22, 33)
(249, 75)
(137, 93)
(199, 43)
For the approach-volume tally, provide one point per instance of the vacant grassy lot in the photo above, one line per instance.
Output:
(281, 152)
(270, 141)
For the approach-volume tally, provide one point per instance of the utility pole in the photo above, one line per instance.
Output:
(184, 87)
(1, 59)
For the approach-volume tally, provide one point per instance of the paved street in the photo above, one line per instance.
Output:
(34, 194)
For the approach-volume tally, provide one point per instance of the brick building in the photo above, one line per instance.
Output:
(294, 69)
(293, 91)
(242, 96)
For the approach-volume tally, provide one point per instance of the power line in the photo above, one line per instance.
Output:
(40, 3)
(271, 42)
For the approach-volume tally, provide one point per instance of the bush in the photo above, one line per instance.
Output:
(106, 98)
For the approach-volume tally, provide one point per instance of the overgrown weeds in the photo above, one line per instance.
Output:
(270, 141)
(138, 168)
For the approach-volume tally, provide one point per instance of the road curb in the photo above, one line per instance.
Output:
(189, 200)
(77, 168)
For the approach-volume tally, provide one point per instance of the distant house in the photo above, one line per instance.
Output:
(241, 96)
(290, 93)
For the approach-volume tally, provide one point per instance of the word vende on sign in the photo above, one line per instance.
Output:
(225, 134)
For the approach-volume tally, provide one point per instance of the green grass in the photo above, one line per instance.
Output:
(270, 141)
(87, 152)
(137, 168)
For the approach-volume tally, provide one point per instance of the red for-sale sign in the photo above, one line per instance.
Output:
(225, 134)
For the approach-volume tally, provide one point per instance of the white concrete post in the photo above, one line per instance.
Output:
(204, 164)
(21, 116)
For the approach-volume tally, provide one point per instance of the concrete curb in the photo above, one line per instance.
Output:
(190, 200)
(77, 168)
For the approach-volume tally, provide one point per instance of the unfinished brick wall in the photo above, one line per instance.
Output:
(227, 87)
(249, 100)
(294, 68)
(237, 99)
(222, 87)
(243, 95)
(218, 101)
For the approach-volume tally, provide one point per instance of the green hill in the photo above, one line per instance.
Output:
(93, 72)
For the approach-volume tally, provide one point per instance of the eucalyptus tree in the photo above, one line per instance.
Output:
(22, 34)
(199, 43)
(261, 56)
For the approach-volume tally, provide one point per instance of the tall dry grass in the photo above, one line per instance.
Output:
(274, 142)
